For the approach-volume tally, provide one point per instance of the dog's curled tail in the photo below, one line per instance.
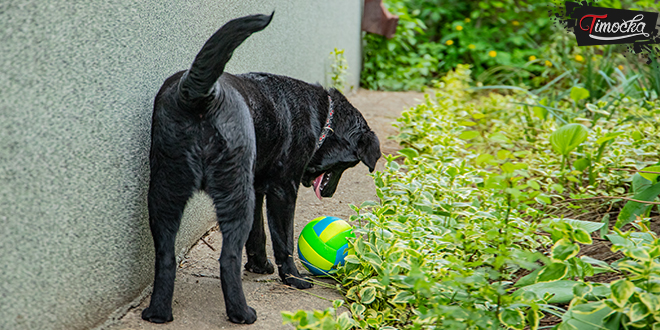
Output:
(211, 60)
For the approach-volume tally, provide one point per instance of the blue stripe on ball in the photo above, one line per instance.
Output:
(320, 226)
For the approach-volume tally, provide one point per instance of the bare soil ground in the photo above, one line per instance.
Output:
(198, 301)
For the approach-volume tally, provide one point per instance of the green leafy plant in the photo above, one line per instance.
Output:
(478, 224)
(338, 70)
(501, 38)
(567, 138)
(325, 320)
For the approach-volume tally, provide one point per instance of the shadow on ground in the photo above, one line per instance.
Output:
(198, 302)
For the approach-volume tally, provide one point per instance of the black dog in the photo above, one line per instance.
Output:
(240, 138)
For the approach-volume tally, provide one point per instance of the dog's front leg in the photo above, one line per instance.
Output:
(281, 206)
(256, 244)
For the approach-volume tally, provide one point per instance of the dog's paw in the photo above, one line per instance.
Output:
(259, 267)
(298, 283)
(152, 315)
(249, 317)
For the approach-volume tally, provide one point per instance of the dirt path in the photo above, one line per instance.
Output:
(198, 302)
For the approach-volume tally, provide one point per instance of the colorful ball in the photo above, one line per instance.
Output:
(322, 244)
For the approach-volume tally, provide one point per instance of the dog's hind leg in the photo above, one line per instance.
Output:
(256, 244)
(281, 203)
(230, 184)
(170, 188)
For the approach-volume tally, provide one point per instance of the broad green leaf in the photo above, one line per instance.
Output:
(534, 184)
(622, 290)
(631, 266)
(484, 158)
(410, 153)
(357, 309)
(528, 279)
(637, 312)
(651, 176)
(568, 137)
(534, 318)
(582, 164)
(633, 209)
(504, 154)
(468, 135)
(581, 236)
(345, 322)
(367, 204)
(552, 272)
(562, 290)
(639, 253)
(588, 308)
(543, 199)
(508, 167)
(581, 289)
(499, 137)
(608, 136)
(651, 301)
(639, 183)
(540, 112)
(587, 226)
(579, 93)
(564, 249)
(595, 262)
(513, 318)
(589, 316)
(402, 297)
(368, 295)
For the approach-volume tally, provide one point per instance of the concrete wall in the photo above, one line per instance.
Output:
(77, 82)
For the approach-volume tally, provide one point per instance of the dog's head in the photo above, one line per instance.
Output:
(349, 142)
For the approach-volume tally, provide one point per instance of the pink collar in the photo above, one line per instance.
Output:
(326, 128)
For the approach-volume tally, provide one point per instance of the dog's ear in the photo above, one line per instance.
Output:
(369, 149)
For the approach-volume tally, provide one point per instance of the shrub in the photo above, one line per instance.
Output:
(468, 207)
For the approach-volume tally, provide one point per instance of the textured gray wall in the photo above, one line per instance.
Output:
(77, 81)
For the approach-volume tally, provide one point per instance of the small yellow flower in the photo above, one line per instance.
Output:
(620, 67)
(492, 53)
(548, 63)
(459, 28)
(467, 20)
(579, 58)
(449, 42)
(472, 46)
(515, 23)
(531, 58)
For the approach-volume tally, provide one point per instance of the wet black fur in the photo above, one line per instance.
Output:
(242, 138)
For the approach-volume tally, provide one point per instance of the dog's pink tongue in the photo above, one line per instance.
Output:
(317, 186)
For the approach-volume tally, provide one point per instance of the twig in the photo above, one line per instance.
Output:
(610, 197)
(207, 244)
(305, 291)
(205, 275)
